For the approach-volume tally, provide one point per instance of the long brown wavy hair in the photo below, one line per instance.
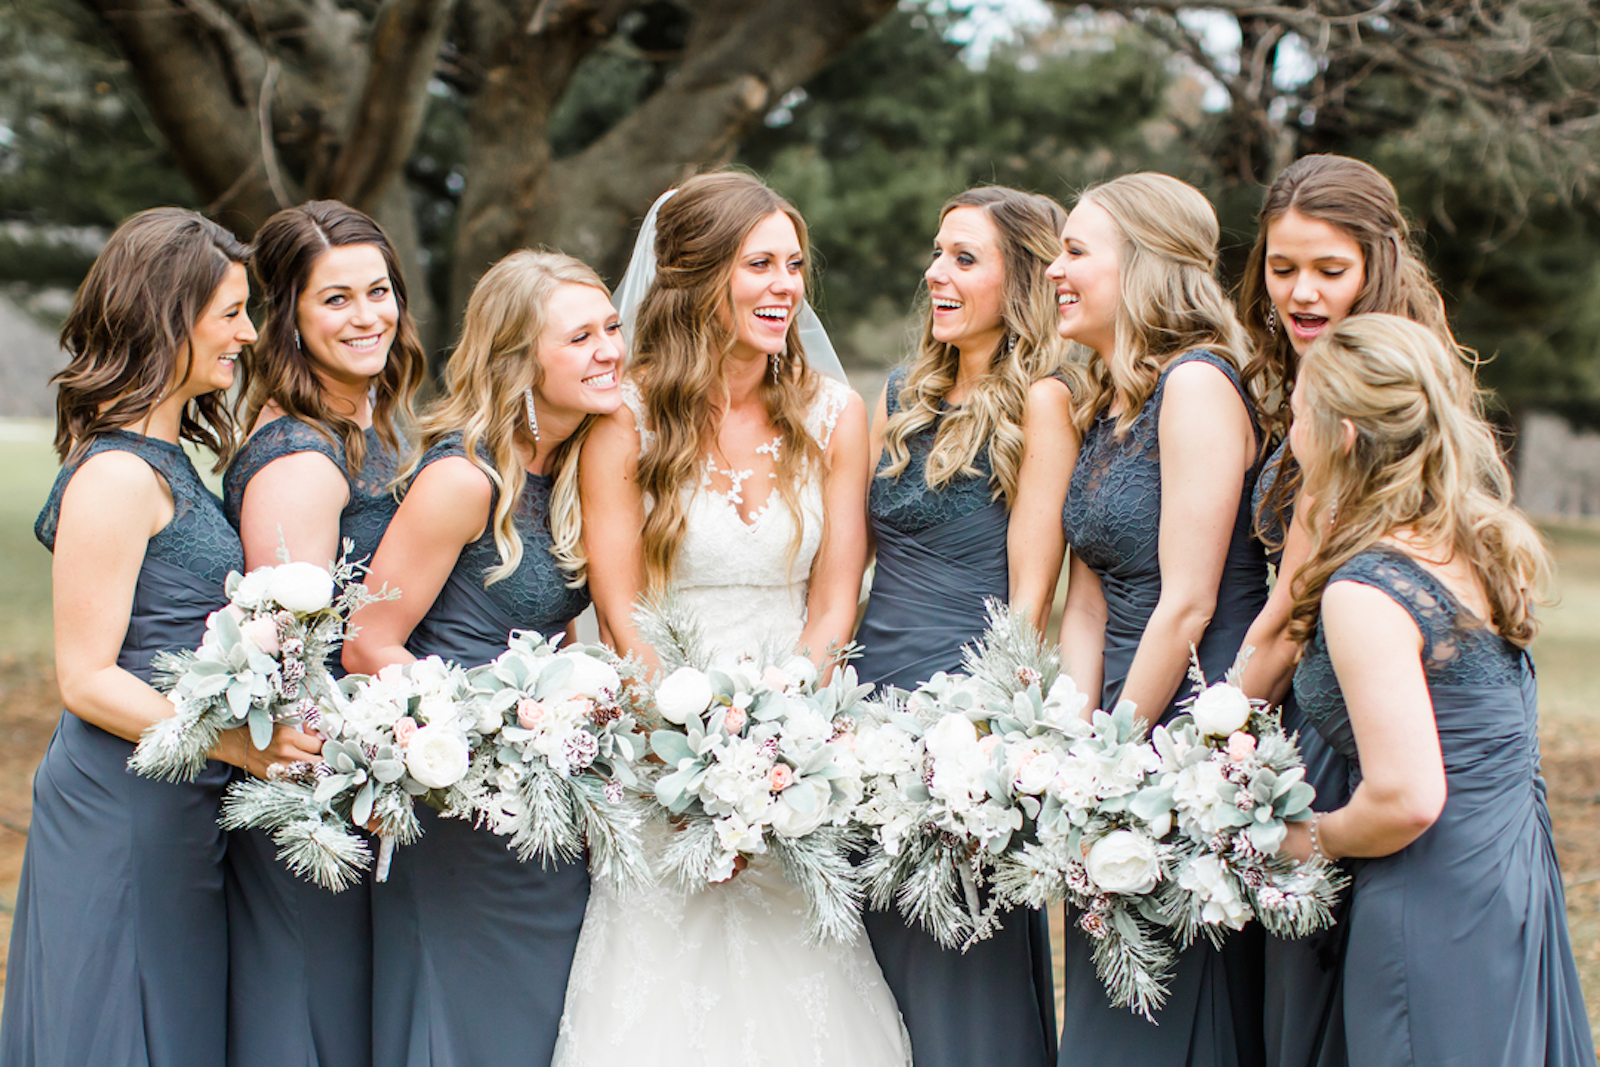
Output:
(1356, 199)
(128, 332)
(1030, 236)
(1171, 302)
(279, 371)
(1423, 461)
(680, 343)
(496, 359)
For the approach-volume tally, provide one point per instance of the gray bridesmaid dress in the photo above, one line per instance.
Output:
(1458, 950)
(941, 553)
(1112, 519)
(301, 995)
(472, 947)
(1304, 1006)
(119, 944)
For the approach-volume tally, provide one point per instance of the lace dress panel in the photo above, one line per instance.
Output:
(1457, 648)
(906, 502)
(537, 589)
(1272, 531)
(371, 505)
(198, 539)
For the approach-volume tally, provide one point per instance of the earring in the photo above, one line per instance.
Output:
(297, 344)
(1272, 321)
(533, 417)
(776, 360)
(1011, 343)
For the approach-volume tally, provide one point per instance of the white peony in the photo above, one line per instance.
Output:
(252, 588)
(787, 818)
(1220, 710)
(1124, 862)
(682, 694)
(801, 672)
(590, 677)
(437, 757)
(805, 728)
(301, 587)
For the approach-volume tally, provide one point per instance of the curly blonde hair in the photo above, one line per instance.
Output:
(1423, 460)
(496, 359)
(679, 346)
(1171, 302)
(1029, 227)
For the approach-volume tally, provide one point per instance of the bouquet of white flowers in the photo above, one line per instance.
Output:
(752, 764)
(953, 773)
(263, 660)
(1236, 781)
(404, 733)
(555, 772)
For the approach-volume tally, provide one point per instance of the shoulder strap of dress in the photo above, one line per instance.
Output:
(1406, 582)
(169, 461)
(1222, 363)
(634, 399)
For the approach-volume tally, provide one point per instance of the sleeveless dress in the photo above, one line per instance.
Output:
(723, 977)
(1458, 949)
(119, 945)
(471, 947)
(1304, 1008)
(304, 998)
(1112, 520)
(941, 554)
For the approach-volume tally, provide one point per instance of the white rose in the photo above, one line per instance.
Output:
(1220, 710)
(789, 820)
(801, 671)
(252, 587)
(437, 756)
(507, 779)
(590, 678)
(1223, 905)
(1064, 704)
(1035, 771)
(683, 693)
(301, 587)
(1124, 862)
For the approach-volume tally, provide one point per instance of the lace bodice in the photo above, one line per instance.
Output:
(1272, 530)
(1457, 649)
(198, 539)
(535, 596)
(905, 502)
(1112, 520)
(366, 515)
(747, 581)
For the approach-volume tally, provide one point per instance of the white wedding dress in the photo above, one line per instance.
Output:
(723, 977)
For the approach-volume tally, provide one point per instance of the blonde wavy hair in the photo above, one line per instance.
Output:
(681, 341)
(495, 360)
(1423, 461)
(1358, 201)
(1029, 228)
(1171, 303)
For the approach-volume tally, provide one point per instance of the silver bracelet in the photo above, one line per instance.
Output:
(1316, 842)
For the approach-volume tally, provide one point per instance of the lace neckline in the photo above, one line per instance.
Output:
(736, 479)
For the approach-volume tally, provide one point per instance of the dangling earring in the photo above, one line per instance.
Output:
(533, 417)
(1272, 321)
(297, 344)
(776, 361)
(1011, 343)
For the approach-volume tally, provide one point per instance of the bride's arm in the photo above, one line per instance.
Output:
(836, 572)
(613, 518)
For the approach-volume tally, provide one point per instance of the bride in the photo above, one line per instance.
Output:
(736, 475)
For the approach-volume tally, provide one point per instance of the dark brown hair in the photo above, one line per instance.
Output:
(278, 371)
(130, 327)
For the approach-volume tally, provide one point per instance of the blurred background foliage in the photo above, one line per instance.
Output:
(1049, 98)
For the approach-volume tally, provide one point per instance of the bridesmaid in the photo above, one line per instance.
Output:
(337, 362)
(1415, 606)
(1332, 241)
(1158, 515)
(472, 947)
(950, 430)
(119, 946)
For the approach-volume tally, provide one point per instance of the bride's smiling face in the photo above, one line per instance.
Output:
(767, 286)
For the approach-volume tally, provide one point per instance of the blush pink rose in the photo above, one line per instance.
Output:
(774, 678)
(988, 743)
(1241, 746)
(530, 713)
(780, 778)
(404, 727)
(263, 633)
(735, 719)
